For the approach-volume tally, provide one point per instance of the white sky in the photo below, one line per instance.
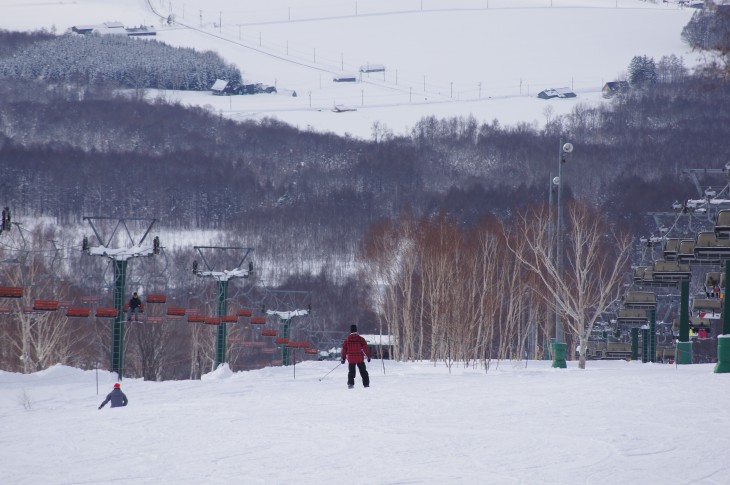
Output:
(487, 58)
(523, 423)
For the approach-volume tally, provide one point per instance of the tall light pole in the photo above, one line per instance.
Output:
(565, 148)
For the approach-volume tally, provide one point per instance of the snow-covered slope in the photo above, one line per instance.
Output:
(615, 422)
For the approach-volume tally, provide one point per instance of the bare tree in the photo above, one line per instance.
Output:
(596, 257)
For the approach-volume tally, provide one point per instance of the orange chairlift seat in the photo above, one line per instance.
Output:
(302, 345)
(106, 312)
(268, 332)
(311, 350)
(174, 311)
(195, 318)
(281, 340)
(212, 320)
(229, 319)
(156, 298)
(258, 320)
(11, 291)
(45, 305)
(78, 311)
(244, 312)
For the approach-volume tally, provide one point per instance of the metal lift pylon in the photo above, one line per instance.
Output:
(222, 278)
(120, 257)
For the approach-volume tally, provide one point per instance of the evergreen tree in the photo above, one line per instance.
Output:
(642, 71)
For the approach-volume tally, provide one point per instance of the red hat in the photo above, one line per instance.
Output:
(117, 386)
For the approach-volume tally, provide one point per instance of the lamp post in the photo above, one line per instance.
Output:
(560, 350)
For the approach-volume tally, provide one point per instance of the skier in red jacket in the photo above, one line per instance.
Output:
(355, 349)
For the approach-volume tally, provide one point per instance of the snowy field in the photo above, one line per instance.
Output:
(486, 58)
(520, 423)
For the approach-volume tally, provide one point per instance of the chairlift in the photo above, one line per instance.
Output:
(229, 319)
(244, 312)
(11, 291)
(670, 249)
(195, 318)
(722, 224)
(632, 316)
(640, 299)
(106, 312)
(670, 271)
(686, 251)
(714, 278)
(176, 311)
(707, 305)
(258, 320)
(156, 298)
(212, 320)
(45, 305)
(709, 248)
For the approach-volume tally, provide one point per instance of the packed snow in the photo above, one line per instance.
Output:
(443, 58)
(615, 422)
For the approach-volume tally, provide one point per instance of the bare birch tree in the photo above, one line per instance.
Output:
(596, 264)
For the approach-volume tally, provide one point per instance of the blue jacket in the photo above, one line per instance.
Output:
(117, 398)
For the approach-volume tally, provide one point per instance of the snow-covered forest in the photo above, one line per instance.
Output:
(117, 60)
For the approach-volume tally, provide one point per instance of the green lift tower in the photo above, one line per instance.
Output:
(222, 278)
(119, 247)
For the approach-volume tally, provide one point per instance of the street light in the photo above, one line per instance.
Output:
(565, 148)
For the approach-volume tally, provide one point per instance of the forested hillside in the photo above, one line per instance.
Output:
(116, 60)
(320, 210)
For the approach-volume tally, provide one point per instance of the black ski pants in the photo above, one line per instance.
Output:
(363, 373)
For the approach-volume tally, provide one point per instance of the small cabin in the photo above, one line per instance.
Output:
(372, 68)
(556, 93)
(613, 88)
(380, 346)
(345, 78)
(140, 31)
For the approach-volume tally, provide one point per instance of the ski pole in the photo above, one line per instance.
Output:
(330, 372)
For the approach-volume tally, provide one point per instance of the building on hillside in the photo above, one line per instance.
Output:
(372, 68)
(113, 28)
(613, 88)
(556, 93)
(345, 78)
(381, 346)
(140, 31)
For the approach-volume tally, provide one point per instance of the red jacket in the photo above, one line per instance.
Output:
(354, 348)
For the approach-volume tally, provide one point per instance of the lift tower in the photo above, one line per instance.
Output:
(222, 278)
(287, 304)
(120, 247)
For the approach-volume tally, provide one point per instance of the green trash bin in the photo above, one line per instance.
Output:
(723, 354)
(684, 353)
(559, 352)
